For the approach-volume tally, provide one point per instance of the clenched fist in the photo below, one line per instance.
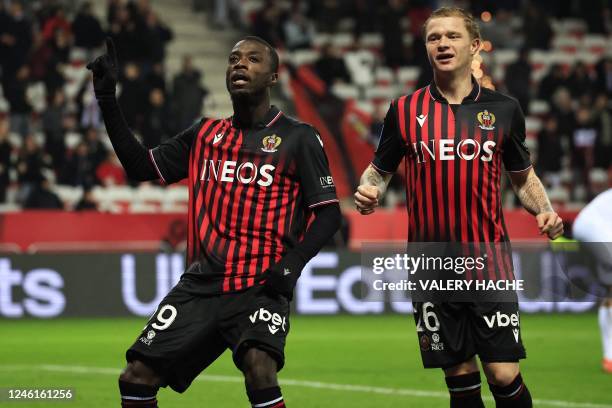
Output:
(550, 223)
(366, 198)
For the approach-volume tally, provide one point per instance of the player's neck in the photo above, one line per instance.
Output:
(251, 110)
(453, 86)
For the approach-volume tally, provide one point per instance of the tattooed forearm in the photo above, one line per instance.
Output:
(532, 194)
(371, 177)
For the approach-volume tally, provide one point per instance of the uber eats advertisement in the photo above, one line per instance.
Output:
(333, 282)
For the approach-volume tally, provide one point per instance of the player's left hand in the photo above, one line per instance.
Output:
(550, 223)
(105, 70)
(281, 278)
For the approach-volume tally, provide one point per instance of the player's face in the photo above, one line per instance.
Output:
(249, 69)
(449, 46)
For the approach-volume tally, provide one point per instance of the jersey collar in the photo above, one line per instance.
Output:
(437, 96)
(268, 120)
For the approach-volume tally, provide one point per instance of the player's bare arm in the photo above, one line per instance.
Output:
(533, 197)
(372, 187)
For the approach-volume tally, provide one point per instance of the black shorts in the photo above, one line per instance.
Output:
(188, 332)
(451, 333)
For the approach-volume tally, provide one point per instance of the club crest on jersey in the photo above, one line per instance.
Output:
(271, 143)
(486, 119)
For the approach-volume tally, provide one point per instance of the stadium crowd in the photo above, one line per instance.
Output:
(51, 130)
(50, 125)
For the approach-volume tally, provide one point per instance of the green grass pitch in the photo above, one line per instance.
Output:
(370, 361)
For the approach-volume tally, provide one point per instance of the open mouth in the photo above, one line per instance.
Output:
(239, 78)
(444, 57)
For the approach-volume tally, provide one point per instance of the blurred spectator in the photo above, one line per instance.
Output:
(88, 32)
(157, 124)
(330, 66)
(583, 143)
(603, 80)
(60, 56)
(87, 202)
(580, 82)
(500, 31)
(6, 149)
(536, 28)
(31, 162)
(393, 35)
(87, 106)
(555, 78)
(327, 13)
(562, 110)
(156, 78)
(53, 127)
(518, 79)
(20, 108)
(56, 22)
(158, 36)
(41, 197)
(602, 115)
(79, 168)
(267, 23)
(188, 94)
(95, 147)
(110, 172)
(299, 31)
(226, 11)
(362, 12)
(133, 95)
(550, 152)
(129, 33)
(15, 40)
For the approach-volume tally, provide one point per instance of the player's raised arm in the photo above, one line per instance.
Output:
(525, 182)
(375, 179)
(132, 155)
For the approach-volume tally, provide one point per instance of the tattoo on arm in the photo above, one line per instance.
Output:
(533, 195)
(372, 177)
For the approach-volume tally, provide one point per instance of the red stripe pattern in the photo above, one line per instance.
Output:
(244, 206)
(453, 172)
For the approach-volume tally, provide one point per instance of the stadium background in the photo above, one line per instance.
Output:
(85, 250)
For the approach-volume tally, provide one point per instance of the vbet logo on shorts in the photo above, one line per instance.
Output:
(276, 321)
(500, 319)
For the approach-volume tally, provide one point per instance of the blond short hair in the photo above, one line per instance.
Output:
(470, 23)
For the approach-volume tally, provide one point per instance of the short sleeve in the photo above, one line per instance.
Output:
(171, 158)
(312, 167)
(391, 148)
(515, 154)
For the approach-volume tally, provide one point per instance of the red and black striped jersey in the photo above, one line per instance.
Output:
(453, 158)
(251, 192)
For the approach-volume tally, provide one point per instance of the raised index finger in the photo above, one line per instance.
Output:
(111, 51)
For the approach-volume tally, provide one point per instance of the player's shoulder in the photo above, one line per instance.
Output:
(299, 128)
(303, 134)
(406, 98)
(490, 95)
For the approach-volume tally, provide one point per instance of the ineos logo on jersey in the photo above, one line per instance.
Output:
(229, 171)
(445, 149)
(276, 321)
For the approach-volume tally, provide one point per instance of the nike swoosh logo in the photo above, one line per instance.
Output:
(286, 272)
(421, 119)
(217, 138)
